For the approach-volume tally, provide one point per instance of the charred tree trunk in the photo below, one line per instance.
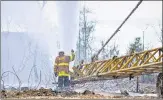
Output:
(159, 85)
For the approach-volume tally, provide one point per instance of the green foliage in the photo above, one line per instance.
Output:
(136, 46)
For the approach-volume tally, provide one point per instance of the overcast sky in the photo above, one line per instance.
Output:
(109, 15)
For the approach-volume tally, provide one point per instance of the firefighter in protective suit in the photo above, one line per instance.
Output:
(61, 68)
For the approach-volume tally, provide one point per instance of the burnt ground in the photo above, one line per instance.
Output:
(49, 94)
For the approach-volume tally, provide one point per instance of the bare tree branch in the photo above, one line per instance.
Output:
(39, 81)
(8, 22)
(158, 34)
(13, 74)
(42, 5)
(30, 74)
(3, 84)
(18, 78)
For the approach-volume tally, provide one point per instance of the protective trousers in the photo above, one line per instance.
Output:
(63, 82)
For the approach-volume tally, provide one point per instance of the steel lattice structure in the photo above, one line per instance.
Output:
(146, 62)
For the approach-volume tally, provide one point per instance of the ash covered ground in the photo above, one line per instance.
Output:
(120, 88)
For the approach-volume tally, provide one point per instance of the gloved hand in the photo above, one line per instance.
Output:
(56, 74)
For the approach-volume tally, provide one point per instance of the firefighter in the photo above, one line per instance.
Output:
(80, 66)
(61, 68)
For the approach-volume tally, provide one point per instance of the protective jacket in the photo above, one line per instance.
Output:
(61, 66)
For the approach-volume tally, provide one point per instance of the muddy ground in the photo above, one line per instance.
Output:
(49, 94)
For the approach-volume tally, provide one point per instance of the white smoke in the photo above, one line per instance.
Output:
(68, 24)
(27, 15)
(30, 18)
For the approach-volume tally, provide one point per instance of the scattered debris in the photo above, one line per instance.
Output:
(86, 92)
(3, 94)
(149, 89)
(125, 93)
(141, 91)
(48, 93)
(11, 88)
(68, 93)
(24, 88)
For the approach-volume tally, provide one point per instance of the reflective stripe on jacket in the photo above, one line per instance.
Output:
(62, 73)
(62, 65)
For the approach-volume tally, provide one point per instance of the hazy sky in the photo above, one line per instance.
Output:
(109, 15)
